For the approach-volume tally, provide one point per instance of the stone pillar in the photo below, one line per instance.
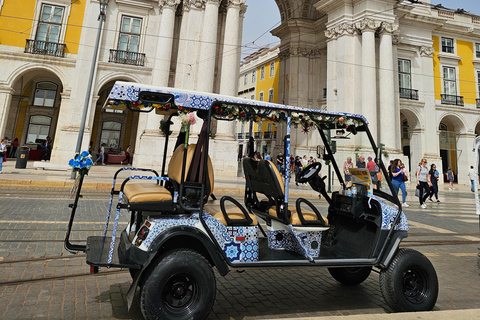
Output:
(5, 102)
(331, 35)
(225, 145)
(208, 50)
(389, 116)
(149, 147)
(369, 78)
(230, 63)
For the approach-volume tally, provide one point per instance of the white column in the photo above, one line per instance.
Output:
(5, 101)
(161, 68)
(149, 145)
(331, 35)
(388, 115)
(369, 78)
(230, 63)
(231, 49)
(208, 50)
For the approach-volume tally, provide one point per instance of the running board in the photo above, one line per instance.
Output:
(98, 248)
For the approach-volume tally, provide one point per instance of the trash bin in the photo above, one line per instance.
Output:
(22, 157)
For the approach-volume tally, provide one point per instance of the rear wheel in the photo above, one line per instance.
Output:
(350, 276)
(410, 282)
(181, 286)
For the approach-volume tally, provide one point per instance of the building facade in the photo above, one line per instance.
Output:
(259, 77)
(46, 52)
(411, 68)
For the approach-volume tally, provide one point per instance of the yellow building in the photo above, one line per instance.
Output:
(259, 79)
(456, 74)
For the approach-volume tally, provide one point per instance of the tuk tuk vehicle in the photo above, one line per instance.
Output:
(178, 230)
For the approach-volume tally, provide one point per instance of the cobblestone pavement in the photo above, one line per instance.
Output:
(40, 280)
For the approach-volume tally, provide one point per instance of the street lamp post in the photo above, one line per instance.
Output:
(101, 19)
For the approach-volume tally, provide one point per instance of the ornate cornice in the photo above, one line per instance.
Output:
(340, 30)
(387, 27)
(235, 3)
(168, 4)
(426, 51)
(367, 25)
(193, 4)
(243, 10)
(300, 52)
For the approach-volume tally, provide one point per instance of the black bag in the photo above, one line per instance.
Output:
(417, 191)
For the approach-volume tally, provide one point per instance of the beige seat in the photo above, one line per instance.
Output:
(233, 212)
(151, 192)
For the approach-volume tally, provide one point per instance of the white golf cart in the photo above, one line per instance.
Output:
(178, 230)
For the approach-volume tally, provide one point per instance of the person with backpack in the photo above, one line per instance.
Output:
(423, 183)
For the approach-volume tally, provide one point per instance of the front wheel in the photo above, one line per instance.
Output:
(350, 276)
(410, 282)
(181, 286)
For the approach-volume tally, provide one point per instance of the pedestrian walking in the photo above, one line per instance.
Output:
(372, 169)
(361, 162)
(398, 179)
(347, 165)
(127, 156)
(3, 152)
(47, 147)
(14, 148)
(450, 178)
(423, 183)
(280, 162)
(101, 154)
(298, 168)
(268, 156)
(471, 176)
(434, 174)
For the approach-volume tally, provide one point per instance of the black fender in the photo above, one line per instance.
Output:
(180, 237)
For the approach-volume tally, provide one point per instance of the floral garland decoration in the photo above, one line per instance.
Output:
(81, 163)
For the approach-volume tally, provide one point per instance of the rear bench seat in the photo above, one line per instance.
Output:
(137, 192)
(234, 213)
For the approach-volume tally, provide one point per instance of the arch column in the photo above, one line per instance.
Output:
(230, 63)
(206, 67)
(149, 143)
(389, 115)
(6, 94)
(369, 78)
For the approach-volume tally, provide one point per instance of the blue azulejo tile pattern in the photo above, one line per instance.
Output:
(388, 216)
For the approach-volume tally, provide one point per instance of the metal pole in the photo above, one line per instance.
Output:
(329, 140)
(101, 19)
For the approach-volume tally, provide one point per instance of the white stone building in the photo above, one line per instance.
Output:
(190, 44)
(411, 68)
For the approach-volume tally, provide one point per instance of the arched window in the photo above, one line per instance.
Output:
(45, 93)
(38, 128)
(111, 134)
(270, 95)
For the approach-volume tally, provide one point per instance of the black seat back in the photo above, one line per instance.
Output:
(262, 177)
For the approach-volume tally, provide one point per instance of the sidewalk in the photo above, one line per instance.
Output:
(470, 314)
(101, 177)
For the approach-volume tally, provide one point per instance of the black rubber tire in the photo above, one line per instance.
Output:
(410, 282)
(181, 286)
(350, 276)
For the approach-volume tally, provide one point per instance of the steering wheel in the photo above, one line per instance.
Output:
(310, 172)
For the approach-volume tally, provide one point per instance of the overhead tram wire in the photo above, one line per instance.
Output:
(246, 46)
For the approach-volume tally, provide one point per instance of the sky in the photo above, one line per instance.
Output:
(263, 15)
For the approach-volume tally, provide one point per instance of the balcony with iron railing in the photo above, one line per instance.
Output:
(241, 135)
(45, 48)
(478, 103)
(258, 135)
(452, 100)
(269, 134)
(127, 57)
(406, 93)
